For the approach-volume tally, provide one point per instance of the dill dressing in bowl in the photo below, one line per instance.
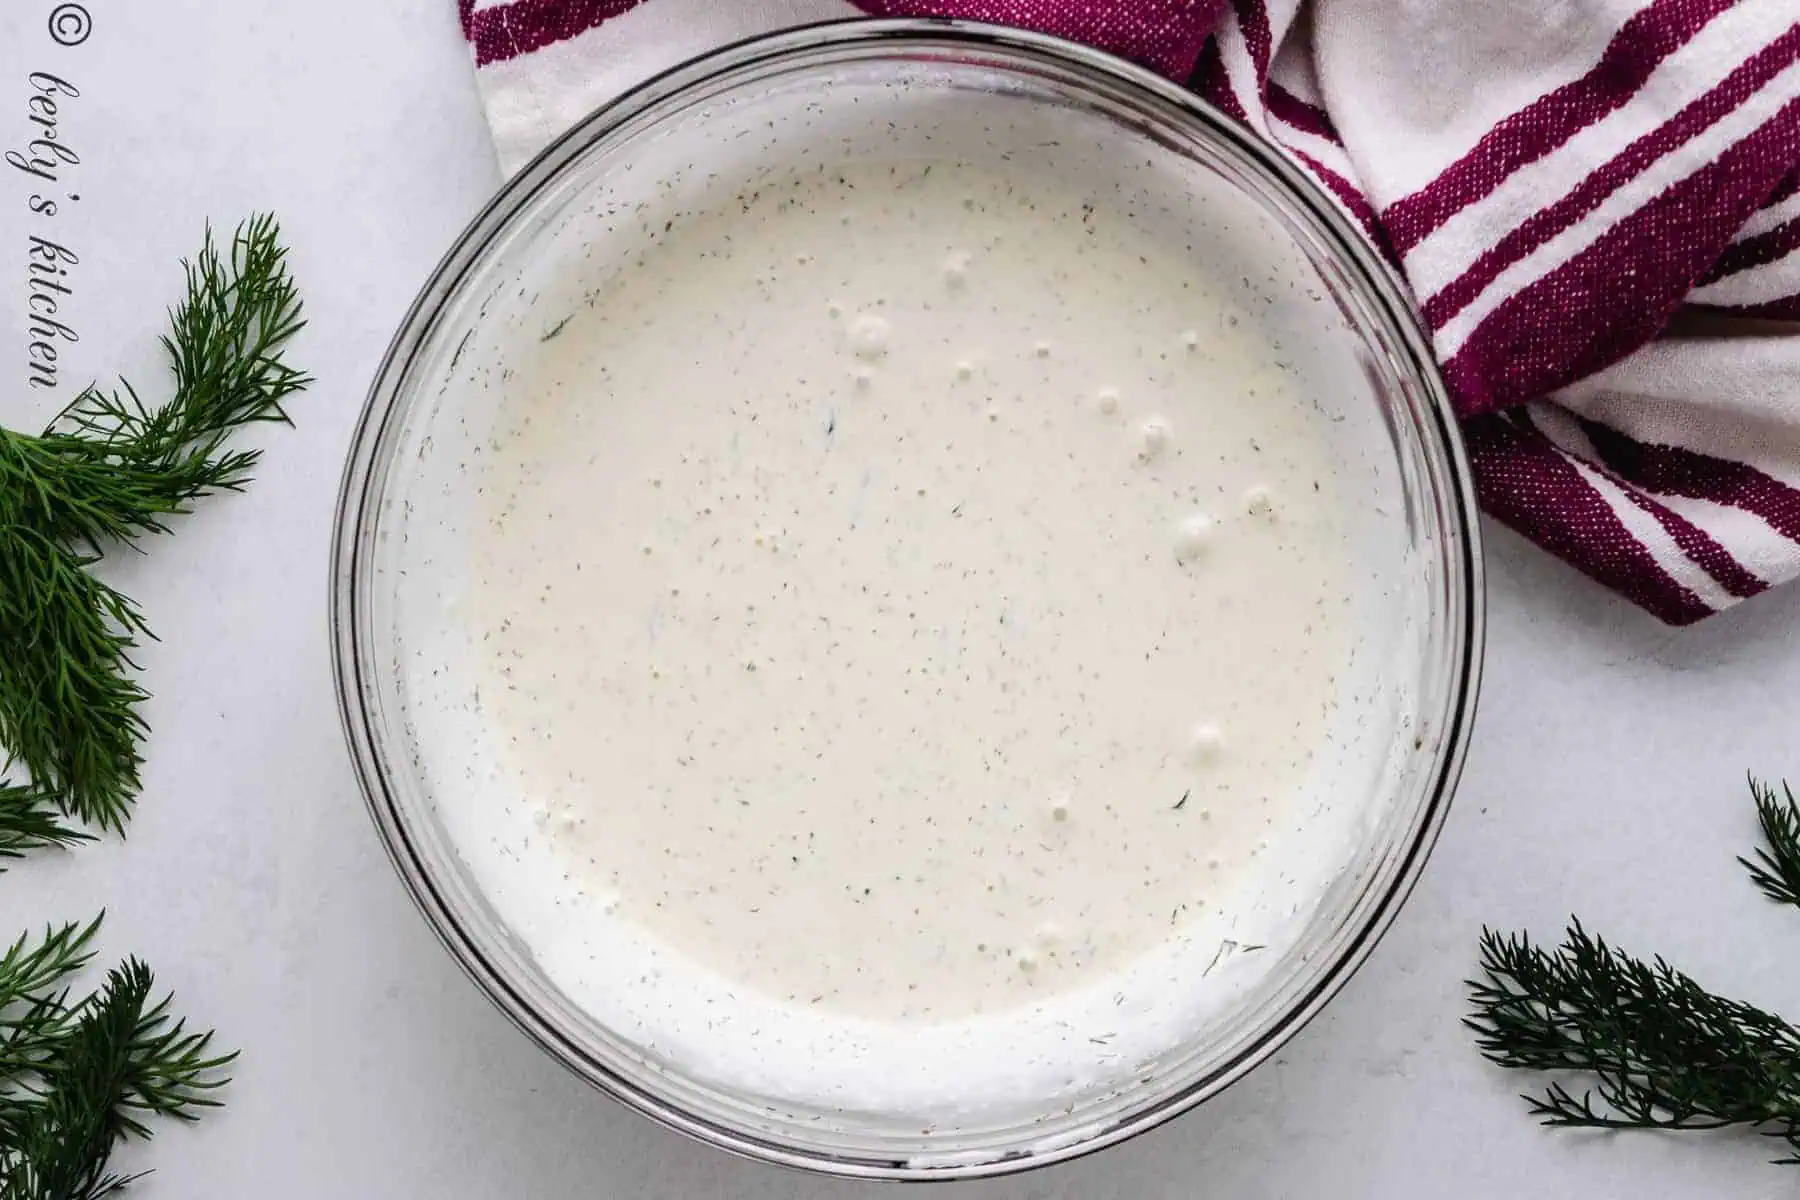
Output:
(901, 608)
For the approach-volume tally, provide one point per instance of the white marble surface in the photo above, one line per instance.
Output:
(1605, 777)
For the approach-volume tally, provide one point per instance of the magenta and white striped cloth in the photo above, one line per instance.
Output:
(1596, 203)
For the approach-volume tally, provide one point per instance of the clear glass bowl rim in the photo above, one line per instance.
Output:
(364, 471)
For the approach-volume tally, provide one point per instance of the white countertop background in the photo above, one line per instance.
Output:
(1605, 778)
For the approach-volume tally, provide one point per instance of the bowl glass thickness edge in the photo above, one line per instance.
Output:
(1439, 514)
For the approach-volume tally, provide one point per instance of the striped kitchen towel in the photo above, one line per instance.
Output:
(1596, 203)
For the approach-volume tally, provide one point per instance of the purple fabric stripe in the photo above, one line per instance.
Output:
(1546, 223)
(1213, 85)
(1352, 199)
(1525, 482)
(1254, 21)
(1292, 110)
(1164, 35)
(1758, 251)
(526, 25)
(1676, 471)
(1578, 318)
(1787, 187)
(1700, 547)
(1548, 122)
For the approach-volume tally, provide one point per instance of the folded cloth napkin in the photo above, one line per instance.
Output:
(1595, 202)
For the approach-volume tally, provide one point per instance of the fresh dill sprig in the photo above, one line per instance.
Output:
(1662, 1051)
(1776, 866)
(1665, 1053)
(77, 1078)
(29, 819)
(68, 705)
(108, 470)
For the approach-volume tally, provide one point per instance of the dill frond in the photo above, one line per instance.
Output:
(1775, 868)
(76, 1078)
(1660, 1051)
(107, 471)
(29, 819)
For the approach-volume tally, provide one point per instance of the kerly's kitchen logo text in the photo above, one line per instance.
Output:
(47, 159)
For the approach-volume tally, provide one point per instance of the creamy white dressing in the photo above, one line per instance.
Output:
(917, 647)
(907, 593)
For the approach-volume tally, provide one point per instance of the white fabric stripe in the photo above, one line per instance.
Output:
(1240, 67)
(1563, 431)
(1661, 175)
(1330, 157)
(1752, 542)
(1240, 71)
(1692, 71)
(1279, 16)
(1293, 66)
(1773, 217)
(1627, 415)
(1642, 526)
(1736, 399)
(1327, 154)
(1754, 285)
(1657, 541)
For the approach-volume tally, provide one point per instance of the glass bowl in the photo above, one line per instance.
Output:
(977, 90)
